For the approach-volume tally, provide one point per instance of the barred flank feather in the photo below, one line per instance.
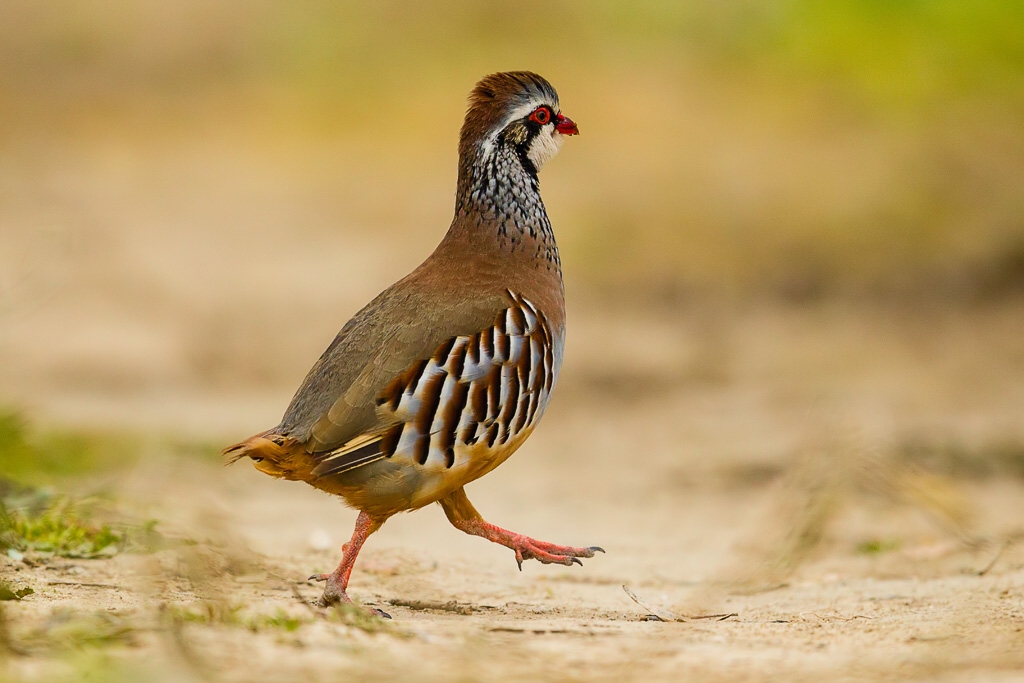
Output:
(439, 406)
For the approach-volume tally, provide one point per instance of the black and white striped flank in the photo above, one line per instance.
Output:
(475, 391)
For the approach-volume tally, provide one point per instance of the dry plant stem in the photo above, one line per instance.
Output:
(999, 553)
(429, 605)
(660, 612)
(81, 583)
(833, 617)
(663, 614)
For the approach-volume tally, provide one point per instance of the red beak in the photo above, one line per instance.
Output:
(565, 125)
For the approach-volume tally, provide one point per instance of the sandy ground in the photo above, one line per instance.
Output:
(760, 481)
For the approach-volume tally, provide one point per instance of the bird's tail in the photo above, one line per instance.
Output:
(269, 451)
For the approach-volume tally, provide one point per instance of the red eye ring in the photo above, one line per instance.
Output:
(541, 115)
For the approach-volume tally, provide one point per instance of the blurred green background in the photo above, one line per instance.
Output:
(179, 179)
(792, 146)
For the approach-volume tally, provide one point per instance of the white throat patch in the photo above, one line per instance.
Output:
(545, 145)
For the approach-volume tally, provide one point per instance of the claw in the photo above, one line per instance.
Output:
(318, 577)
(525, 548)
(323, 602)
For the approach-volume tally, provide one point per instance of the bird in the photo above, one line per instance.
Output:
(442, 376)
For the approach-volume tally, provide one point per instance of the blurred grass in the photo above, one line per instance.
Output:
(792, 148)
(43, 457)
(891, 54)
(36, 522)
(67, 629)
(65, 528)
(35, 457)
(876, 546)
(214, 613)
(1002, 459)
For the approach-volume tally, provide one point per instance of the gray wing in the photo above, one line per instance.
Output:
(336, 403)
(486, 386)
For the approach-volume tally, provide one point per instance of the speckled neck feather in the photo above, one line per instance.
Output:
(498, 189)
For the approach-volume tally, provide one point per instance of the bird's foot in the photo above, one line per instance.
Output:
(334, 594)
(527, 548)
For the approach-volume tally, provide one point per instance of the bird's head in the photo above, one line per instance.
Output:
(517, 110)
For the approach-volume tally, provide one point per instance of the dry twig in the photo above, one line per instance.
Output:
(663, 614)
(999, 553)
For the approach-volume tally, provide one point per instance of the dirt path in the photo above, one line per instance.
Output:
(833, 482)
(462, 611)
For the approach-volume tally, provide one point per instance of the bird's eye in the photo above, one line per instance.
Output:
(541, 115)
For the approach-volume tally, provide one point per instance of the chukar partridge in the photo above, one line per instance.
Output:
(442, 377)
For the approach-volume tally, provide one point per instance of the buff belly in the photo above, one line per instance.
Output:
(398, 484)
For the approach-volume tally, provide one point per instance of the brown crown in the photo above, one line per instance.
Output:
(496, 95)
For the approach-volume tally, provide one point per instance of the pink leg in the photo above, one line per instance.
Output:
(337, 581)
(464, 517)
